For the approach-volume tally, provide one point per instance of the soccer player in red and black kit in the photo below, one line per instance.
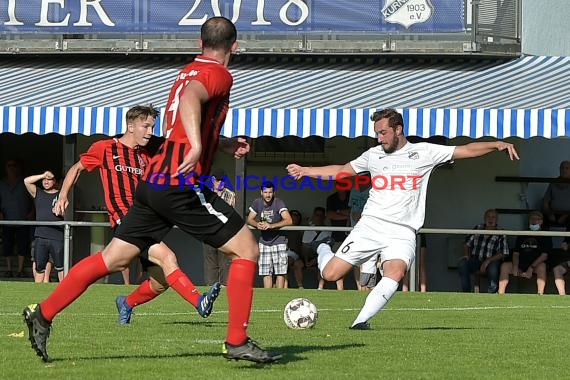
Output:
(170, 195)
(121, 163)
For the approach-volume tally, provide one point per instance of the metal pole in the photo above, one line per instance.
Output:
(413, 274)
(474, 24)
(239, 188)
(518, 13)
(66, 250)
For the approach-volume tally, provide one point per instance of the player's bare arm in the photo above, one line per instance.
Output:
(297, 171)
(191, 101)
(30, 182)
(478, 149)
(286, 220)
(236, 146)
(251, 219)
(70, 179)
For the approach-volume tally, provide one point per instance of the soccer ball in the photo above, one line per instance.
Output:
(300, 313)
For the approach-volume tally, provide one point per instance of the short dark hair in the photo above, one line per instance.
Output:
(16, 162)
(218, 33)
(535, 213)
(394, 117)
(267, 185)
(219, 174)
(319, 208)
(140, 111)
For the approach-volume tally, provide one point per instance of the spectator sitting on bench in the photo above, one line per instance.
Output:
(561, 270)
(556, 200)
(483, 253)
(529, 256)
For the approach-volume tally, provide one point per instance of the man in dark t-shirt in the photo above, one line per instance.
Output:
(268, 213)
(48, 239)
(529, 256)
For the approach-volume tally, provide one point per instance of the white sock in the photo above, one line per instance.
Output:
(325, 254)
(377, 299)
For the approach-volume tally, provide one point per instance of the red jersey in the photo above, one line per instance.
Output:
(120, 168)
(218, 81)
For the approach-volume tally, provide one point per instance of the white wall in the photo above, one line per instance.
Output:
(545, 27)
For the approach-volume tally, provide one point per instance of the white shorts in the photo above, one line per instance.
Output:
(372, 236)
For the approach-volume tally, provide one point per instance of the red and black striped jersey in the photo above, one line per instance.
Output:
(218, 81)
(120, 168)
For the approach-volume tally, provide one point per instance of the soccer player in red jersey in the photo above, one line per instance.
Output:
(170, 194)
(121, 163)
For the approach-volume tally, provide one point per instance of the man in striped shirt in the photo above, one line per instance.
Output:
(170, 195)
(484, 253)
(121, 163)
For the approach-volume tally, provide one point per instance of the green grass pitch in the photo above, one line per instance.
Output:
(418, 336)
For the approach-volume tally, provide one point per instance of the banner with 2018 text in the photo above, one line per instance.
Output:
(250, 16)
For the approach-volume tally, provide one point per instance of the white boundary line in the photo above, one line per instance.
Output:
(190, 312)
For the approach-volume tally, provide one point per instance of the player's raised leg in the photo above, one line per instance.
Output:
(158, 282)
(177, 280)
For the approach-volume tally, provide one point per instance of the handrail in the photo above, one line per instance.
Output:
(531, 179)
(53, 224)
(446, 231)
(425, 230)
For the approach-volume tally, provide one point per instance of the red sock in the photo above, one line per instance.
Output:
(80, 276)
(240, 298)
(142, 294)
(183, 286)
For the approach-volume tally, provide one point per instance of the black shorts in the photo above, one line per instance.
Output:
(566, 266)
(526, 260)
(143, 256)
(195, 210)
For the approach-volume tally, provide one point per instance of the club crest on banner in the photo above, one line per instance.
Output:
(407, 12)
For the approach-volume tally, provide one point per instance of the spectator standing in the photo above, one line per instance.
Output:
(268, 214)
(556, 200)
(15, 204)
(48, 239)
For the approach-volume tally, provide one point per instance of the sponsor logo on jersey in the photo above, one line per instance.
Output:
(129, 169)
(413, 155)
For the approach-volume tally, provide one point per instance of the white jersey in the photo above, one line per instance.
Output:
(400, 180)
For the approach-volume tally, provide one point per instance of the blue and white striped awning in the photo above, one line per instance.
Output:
(301, 96)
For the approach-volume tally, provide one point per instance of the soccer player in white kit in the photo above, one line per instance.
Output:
(395, 209)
